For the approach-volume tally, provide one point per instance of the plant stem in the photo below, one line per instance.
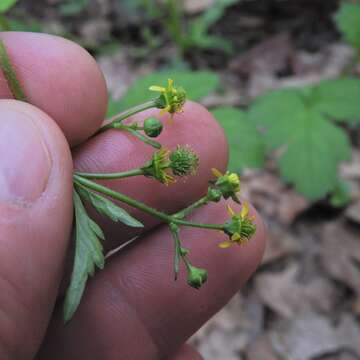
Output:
(127, 113)
(140, 136)
(141, 206)
(185, 212)
(110, 176)
(10, 74)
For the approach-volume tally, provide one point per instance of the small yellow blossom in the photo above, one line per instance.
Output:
(228, 184)
(172, 99)
(157, 167)
(239, 228)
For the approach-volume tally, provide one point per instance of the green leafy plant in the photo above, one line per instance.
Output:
(303, 124)
(195, 33)
(73, 7)
(348, 22)
(5, 6)
(247, 147)
(164, 166)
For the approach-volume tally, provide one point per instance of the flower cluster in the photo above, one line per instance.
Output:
(171, 99)
(165, 165)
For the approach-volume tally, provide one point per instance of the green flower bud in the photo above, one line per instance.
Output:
(152, 127)
(228, 184)
(184, 161)
(196, 276)
(214, 195)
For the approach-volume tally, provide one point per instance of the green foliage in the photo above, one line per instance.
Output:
(348, 22)
(247, 149)
(88, 256)
(6, 5)
(107, 208)
(298, 122)
(198, 35)
(88, 249)
(198, 84)
(341, 194)
(73, 7)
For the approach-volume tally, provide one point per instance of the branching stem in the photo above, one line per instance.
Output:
(117, 119)
(141, 206)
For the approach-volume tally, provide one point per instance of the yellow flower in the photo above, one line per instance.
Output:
(171, 99)
(228, 184)
(240, 228)
(157, 167)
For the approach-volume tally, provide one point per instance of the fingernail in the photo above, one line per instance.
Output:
(25, 161)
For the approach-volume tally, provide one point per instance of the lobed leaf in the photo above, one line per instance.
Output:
(298, 122)
(88, 256)
(247, 148)
(338, 99)
(107, 208)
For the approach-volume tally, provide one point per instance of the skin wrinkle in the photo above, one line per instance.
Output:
(122, 295)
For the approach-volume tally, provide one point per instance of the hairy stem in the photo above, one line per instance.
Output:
(141, 206)
(127, 113)
(111, 176)
(10, 74)
(187, 211)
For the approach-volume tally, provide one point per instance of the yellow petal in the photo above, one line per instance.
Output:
(170, 83)
(157, 88)
(235, 237)
(225, 244)
(244, 210)
(230, 210)
(216, 173)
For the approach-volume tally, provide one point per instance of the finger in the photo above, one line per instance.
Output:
(59, 77)
(117, 151)
(35, 223)
(134, 310)
(186, 352)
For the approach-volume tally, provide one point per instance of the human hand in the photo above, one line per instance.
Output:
(132, 309)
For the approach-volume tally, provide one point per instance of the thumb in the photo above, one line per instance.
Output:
(35, 224)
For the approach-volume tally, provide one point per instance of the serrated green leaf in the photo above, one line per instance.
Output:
(197, 84)
(312, 147)
(339, 99)
(312, 157)
(278, 112)
(348, 22)
(6, 5)
(88, 256)
(247, 148)
(107, 208)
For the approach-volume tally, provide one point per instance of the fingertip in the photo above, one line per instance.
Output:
(35, 219)
(59, 77)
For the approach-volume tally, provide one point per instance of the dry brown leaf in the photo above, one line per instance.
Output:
(271, 196)
(196, 6)
(311, 335)
(231, 330)
(280, 244)
(283, 293)
(340, 254)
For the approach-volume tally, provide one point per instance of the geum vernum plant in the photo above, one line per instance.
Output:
(164, 166)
